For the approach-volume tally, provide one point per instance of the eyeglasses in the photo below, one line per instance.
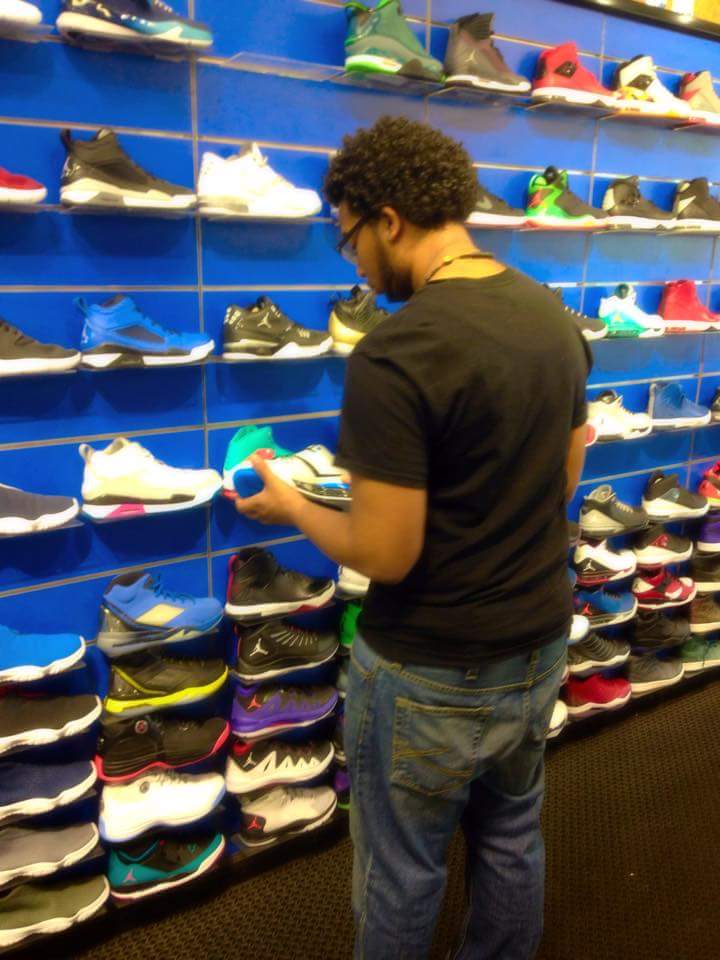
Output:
(344, 247)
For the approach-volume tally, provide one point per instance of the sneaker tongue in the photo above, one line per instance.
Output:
(603, 492)
(609, 396)
(552, 174)
(113, 301)
(105, 134)
(700, 186)
(625, 292)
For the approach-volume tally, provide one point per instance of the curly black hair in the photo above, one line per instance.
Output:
(423, 174)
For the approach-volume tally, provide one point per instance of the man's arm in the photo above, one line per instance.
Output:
(575, 460)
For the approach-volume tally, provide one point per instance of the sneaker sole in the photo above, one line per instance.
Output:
(707, 586)
(117, 645)
(708, 547)
(114, 359)
(158, 764)
(30, 365)
(582, 97)
(370, 63)
(556, 731)
(600, 532)
(156, 822)
(705, 226)
(641, 223)
(43, 735)
(705, 627)
(680, 423)
(587, 708)
(55, 925)
(569, 223)
(666, 604)
(131, 708)
(47, 867)
(609, 577)
(126, 511)
(657, 510)
(98, 193)
(286, 834)
(93, 27)
(247, 784)
(251, 678)
(650, 686)
(245, 211)
(34, 806)
(611, 620)
(10, 526)
(653, 557)
(589, 666)
(290, 351)
(595, 334)
(477, 83)
(204, 867)
(262, 610)
(264, 732)
(479, 219)
(29, 673)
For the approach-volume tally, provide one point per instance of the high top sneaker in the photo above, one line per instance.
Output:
(671, 409)
(493, 211)
(277, 648)
(624, 318)
(473, 60)
(697, 89)
(551, 203)
(627, 207)
(263, 332)
(560, 76)
(613, 422)
(592, 328)
(98, 173)
(354, 317)
(640, 89)
(259, 587)
(709, 487)
(682, 310)
(694, 208)
(381, 41)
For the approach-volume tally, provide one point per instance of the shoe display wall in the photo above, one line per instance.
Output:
(179, 228)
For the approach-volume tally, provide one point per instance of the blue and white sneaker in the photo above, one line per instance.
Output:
(670, 409)
(604, 609)
(117, 334)
(29, 789)
(147, 20)
(25, 657)
(137, 613)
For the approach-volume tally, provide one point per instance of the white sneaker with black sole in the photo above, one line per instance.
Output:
(596, 563)
(665, 499)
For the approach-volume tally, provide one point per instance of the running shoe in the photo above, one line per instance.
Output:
(261, 712)
(613, 422)
(259, 587)
(657, 631)
(665, 499)
(23, 512)
(144, 20)
(263, 332)
(709, 486)
(29, 789)
(473, 60)
(670, 408)
(693, 653)
(648, 673)
(596, 563)
(143, 682)
(492, 211)
(50, 906)
(623, 318)
(16, 188)
(25, 657)
(705, 571)
(32, 852)
(36, 721)
(708, 540)
(661, 590)
(285, 812)
(596, 653)
(604, 609)
(159, 863)
(23, 355)
(551, 203)
(381, 41)
(603, 515)
(259, 766)
(353, 317)
(595, 694)
(276, 648)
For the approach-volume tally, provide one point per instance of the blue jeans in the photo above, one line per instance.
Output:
(430, 749)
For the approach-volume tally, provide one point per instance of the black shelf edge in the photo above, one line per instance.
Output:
(641, 11)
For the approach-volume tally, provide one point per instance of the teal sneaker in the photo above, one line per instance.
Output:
(380, 41)
(238, 474)
(693, 654)
(624, 318)
(150, 865)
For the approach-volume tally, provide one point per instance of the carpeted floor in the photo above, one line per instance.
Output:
(632, 825)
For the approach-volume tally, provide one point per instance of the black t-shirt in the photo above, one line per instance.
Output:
(470, 391)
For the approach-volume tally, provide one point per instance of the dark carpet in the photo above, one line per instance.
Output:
(632, 823)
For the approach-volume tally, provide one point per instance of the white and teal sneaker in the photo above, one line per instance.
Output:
(623, 318)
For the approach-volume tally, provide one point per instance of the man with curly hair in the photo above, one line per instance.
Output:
(463, 430)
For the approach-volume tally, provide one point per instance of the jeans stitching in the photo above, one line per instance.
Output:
(446, 688)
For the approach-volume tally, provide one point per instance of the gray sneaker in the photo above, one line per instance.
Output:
(596, 653)
(648, 673)
(473, 60)
(38, 852)
(704, 614)
(603, 515)
(49, 907)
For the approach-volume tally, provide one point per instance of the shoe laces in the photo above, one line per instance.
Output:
(148, 322)
(162, 592)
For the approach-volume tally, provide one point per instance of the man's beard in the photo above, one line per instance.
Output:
(396, 286)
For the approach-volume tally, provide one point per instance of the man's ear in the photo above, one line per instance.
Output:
(391, 223)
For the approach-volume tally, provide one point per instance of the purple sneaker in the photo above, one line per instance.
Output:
(709, 539)
(266, 711)
(341, 786)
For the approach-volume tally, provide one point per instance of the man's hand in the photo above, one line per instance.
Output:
(277, 502)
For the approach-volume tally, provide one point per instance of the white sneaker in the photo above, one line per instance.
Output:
(596, 563)
(641, 90)
(260, 766)
(558, 720)
(285, 812)
(622, 314)
(352, 583)
(157, 799)
(613, 422)
(579, 629)
(19, 13)
(246, 185)
(125, 480)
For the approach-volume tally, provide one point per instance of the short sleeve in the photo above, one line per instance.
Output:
(383, 431)
(584, 366)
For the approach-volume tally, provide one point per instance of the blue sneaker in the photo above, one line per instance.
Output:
(29, 789)
(604, 609)
(117, 334)
(25, 657)
(670, 409)
(151, 864)
(147, 20)
(137, 613)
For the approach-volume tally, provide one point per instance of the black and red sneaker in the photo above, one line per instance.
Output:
(258, 587)
(656, 546)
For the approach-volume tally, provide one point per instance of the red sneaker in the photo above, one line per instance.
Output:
(595, 694)
(682, 310)
(16, 188)
(559, 75)
(709, 486)
(660, 590)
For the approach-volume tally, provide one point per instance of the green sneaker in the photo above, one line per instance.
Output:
(693, 654)
(623, 318)
(712, 655)
(551, 203)
(348, 623)
(380, 41)
(238, 474)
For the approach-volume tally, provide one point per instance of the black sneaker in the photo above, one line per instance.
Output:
(275, 648)
(592, 328)
(627, 207)
(143, 682)
(32, 722)
(656, 546)
(596, 653)
(21, 354)
(694, 208)
(603, 515)
(654, 631)
(257, 766)
(493, 211)
(157, 863)
(705, 571)
(259, 587)
(353, 317)
(264, 331)
(23, 512)
(473, 60)
(665, 499)
(127, 748)
(98, 173)
(649, 673)
(715, 405)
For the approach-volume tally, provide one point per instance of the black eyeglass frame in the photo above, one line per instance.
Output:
(345, 239)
